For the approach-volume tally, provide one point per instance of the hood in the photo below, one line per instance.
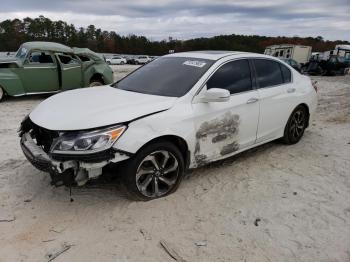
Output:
(9, 60)
(95, 107)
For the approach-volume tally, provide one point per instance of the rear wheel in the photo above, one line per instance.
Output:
(296, 125)
(96, 81)
(155, 171)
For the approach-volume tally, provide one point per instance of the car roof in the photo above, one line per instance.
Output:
(48, 46)
(87, 52)
(215, 55)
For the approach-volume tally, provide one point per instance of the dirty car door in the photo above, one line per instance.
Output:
(223, 128)
(71, 72)
(39, 73)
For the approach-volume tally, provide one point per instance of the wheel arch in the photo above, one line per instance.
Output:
(97, 76)
(177, 141)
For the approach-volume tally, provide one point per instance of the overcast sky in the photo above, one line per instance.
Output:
(183, 19)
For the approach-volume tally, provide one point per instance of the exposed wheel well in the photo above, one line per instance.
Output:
(177, 141)
(97, 77)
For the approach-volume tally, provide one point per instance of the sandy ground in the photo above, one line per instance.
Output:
(272, 203)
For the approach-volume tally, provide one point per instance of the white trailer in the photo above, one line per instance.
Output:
(299, 53)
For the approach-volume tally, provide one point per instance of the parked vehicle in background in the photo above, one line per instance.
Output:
(46, 67)
(299, 53)
(180, 111)
(140, 60)
(292, 63)
(343, 51)
(116, 60)
(333, 66)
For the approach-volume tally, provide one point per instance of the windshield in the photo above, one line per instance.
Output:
(166, 76)
(22, 53)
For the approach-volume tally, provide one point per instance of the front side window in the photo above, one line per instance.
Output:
(166, 76)
(268, 72)
(234, 76)
(40, 57)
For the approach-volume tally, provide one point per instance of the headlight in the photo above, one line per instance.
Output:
(87, 142)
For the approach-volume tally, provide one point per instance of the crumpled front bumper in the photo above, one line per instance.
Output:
(36, 155)
(65, 172)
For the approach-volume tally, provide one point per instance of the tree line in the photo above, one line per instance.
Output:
(15, 32)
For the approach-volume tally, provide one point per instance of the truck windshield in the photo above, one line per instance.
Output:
(166, 76)
(22, 53)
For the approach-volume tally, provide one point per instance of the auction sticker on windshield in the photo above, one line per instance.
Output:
(194, 63)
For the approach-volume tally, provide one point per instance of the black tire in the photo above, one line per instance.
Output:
(2, 94)
(133, 167)
(296, 125)
(122, 62)
(96, 83)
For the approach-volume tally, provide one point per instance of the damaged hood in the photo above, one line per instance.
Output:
(96, 107)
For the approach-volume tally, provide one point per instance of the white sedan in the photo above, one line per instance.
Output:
(116, 60)
(180, 111)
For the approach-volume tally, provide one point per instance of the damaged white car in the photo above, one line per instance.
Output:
(180, 111)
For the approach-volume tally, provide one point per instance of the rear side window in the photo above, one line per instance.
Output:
(287, 75)
(268, 72)
(234, 76)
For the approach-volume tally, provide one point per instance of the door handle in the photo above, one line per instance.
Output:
(252, 100)
(291, 90)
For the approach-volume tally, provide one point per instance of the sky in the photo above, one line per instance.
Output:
(185, 19)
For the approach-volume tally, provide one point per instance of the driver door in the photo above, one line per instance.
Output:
(71, 72)
(39, 73)
(223, 128)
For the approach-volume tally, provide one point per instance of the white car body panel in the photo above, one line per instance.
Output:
(157, 116)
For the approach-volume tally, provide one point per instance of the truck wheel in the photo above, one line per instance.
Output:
(2, 93)
(155, 171)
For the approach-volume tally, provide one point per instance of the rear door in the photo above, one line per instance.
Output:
(39, 73)
(225, 127)
(70, 72)
(275, 88)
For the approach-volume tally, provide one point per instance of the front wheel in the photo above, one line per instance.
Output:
(296, 125)
(155, 171)
(2, 93)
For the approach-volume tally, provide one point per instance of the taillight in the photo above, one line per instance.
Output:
(314, 85)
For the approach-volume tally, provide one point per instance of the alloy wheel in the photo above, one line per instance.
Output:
(297, 125)
(157, 174)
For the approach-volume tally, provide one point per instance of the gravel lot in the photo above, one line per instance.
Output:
(272, 203)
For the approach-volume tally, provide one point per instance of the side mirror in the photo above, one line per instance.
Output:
(215, 95)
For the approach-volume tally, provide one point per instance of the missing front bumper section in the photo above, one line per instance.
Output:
(68, 170)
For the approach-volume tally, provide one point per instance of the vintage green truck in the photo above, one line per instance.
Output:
(47, 67)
